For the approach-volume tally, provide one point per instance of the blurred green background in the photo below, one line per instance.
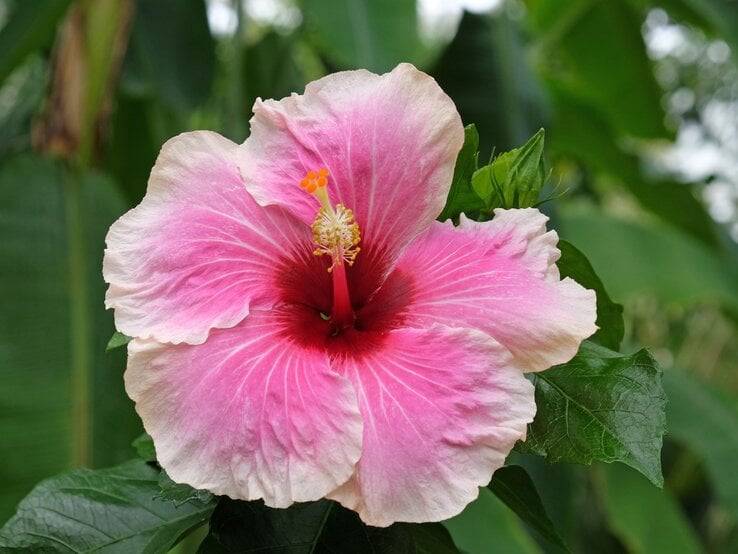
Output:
(640, 104)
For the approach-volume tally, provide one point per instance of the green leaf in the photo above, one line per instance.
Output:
(144, 446)
(515, 178)
(179, 493)
(651, 259)
(273, 69)
(583, 133)
(646, 520)
(514, 487)
(706, 420)
(106, 510)
(117, 340)
(30, 27)
(322, 526)
(430, 538)
(486, 72)
(601, 406)
(371, 34)
(461, 196)
(574, 264)
(172, 54)
(564, 494)
(133, 144)
(486, 525)
(576, 47)
(61, 393)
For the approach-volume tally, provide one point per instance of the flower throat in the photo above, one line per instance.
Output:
(335, 234)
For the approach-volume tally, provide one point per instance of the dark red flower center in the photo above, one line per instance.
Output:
(377, 303)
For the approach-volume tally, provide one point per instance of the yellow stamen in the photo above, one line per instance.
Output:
(335, 233)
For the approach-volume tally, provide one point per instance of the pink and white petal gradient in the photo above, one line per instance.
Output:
(198, 250)
(389, 141)
(500, 277)
(247, 414)
(442, 407)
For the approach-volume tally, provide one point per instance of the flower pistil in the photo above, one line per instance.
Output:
(335, 233)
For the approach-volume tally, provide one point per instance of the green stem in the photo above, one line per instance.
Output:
(79, 324)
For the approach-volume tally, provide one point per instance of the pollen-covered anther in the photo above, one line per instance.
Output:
(335, 233)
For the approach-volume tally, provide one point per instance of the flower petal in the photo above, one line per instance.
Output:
(197, 250)
(442, 408)
(389, 141)
(247, 414)
(500, 277)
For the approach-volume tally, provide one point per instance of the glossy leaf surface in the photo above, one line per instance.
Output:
(601, 406)
(108, 510)
(373, 34)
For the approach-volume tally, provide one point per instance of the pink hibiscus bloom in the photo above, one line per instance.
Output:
(303, 326)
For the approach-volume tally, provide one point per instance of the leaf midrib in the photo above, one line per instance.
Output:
(80, 329)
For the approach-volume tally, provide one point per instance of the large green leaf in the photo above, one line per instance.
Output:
(598, 51)
(514, 487)
(706, 420)
(601, 406)
(646, 520)
(31, 26)
(61, 394)
(583, 133)
(635, 258)
(107, 510)
(487, 525)
(272, 70)
(574, 264)
(171, 55)
(180, 493)
(372, 34)
(275, 66)
(133, 144)
(322, 526)
(484, 70)
(565, 497)
(431, 538)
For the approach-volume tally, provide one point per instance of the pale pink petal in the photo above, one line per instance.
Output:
(198, 250)
(442, 408)
(499, 277)
(247, 414)
(389, 141)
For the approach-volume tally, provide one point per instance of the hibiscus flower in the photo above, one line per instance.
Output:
(304, 328)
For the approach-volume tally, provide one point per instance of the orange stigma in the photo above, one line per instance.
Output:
(315, 180)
